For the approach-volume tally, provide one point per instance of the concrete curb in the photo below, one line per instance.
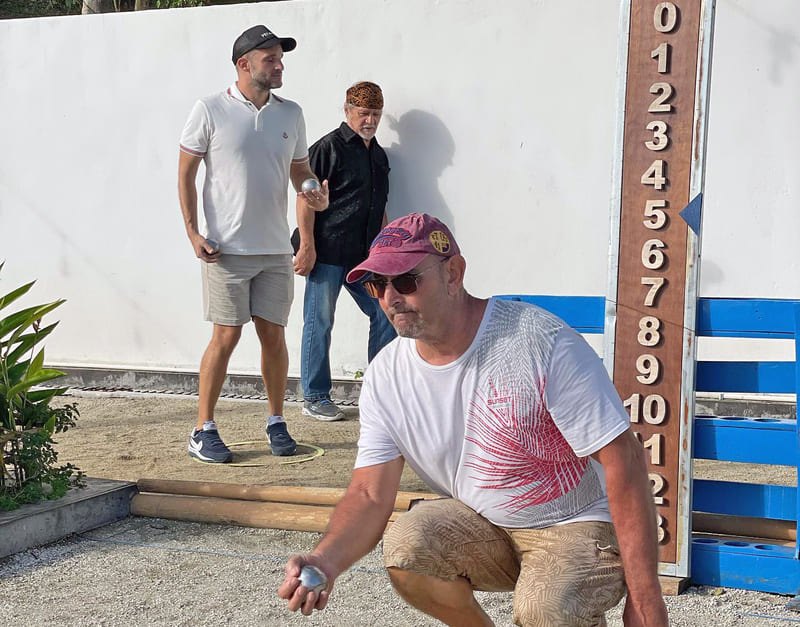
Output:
(102, 501)
(344, 391)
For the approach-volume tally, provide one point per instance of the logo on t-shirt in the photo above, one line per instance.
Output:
(285, 135)
(496, 403)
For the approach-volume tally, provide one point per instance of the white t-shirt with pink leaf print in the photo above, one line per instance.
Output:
(508, 427)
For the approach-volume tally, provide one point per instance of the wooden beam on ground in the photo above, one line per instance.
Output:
(673, 586)
(282, 494)
(720, 524)
(265, 515)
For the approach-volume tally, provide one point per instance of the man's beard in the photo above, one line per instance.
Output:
(265, 83)
(411, 330)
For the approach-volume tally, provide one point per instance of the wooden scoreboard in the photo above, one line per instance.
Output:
(653, 274)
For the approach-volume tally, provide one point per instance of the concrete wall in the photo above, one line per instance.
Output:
(499, 119)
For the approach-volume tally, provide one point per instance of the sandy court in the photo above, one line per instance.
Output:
(133, 436)
(140, 436)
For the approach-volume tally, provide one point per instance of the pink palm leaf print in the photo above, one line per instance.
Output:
(522, 451)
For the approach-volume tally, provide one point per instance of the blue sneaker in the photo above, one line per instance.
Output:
(207, 446)
(280, 442)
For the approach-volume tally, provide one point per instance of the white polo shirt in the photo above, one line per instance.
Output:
(247, 153)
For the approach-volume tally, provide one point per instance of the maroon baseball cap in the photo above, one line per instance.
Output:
(403, 243)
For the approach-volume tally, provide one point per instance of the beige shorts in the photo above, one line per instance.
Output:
(238, 287)
(567, 575)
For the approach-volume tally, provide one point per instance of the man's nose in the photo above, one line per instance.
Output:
(391, 296)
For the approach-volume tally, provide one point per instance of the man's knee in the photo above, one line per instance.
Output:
(403, 580)
(571, 575)
(270, 335)
(406, 545)
(425, 592)
(225, 338)
(555, 609)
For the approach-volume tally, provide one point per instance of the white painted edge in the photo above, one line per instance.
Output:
(696, 186)
(615, 211)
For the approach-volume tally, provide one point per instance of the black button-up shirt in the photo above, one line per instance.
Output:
(358, 179)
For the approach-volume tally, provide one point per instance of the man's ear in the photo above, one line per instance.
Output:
(243, 63)
(456, 267)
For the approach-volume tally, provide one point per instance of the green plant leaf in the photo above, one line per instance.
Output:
(45, 374)
(50, 425)
(27, 341)
(9, 298)
(17, 322)
(36, 363)
(17, 372)
(38, 396)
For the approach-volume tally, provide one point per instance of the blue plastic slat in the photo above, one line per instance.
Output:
(744, 499)
(746, 440)
(585, 314)
(763, 567)
(768, 377)
(747, 317)
(716, 317)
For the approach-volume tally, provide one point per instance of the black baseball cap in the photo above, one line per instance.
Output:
(260, 37)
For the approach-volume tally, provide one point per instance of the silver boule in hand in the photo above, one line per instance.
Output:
(313, 579)
(214, 246)
(309, 185)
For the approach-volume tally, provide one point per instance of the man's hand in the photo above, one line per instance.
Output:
(317, 200)
(653, 613)
(203, 250)
(304, 260)
(298, 596)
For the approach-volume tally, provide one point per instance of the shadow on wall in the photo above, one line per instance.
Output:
(423, 150)
(783, 44)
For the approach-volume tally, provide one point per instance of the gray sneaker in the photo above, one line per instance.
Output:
(322, 409)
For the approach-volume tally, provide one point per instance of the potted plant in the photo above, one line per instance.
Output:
(28, 463)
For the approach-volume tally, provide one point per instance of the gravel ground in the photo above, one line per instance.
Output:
(146, 571)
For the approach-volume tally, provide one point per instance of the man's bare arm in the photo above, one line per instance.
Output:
(308, 203)
(631, 503)
(356, 526)
(188, 166)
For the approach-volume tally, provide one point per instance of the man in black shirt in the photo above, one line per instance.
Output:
(333, 242)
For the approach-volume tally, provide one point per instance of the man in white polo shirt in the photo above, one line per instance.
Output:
(252, 143)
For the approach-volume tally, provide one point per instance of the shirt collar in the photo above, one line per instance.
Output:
(348, 133)
(233, 92)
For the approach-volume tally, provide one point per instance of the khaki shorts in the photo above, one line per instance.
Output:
(238, 287)
(561, 576)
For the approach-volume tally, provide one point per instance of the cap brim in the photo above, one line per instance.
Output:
(287, 43)
(389, 263)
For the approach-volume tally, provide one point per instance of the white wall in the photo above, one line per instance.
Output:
(752, 218)
(499, 119)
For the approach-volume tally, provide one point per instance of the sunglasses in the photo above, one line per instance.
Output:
(405, 284)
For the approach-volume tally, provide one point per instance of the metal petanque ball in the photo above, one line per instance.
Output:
(214, 245)
(309, 185)
(313, 579)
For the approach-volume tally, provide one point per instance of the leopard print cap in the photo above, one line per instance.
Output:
(365, 94)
